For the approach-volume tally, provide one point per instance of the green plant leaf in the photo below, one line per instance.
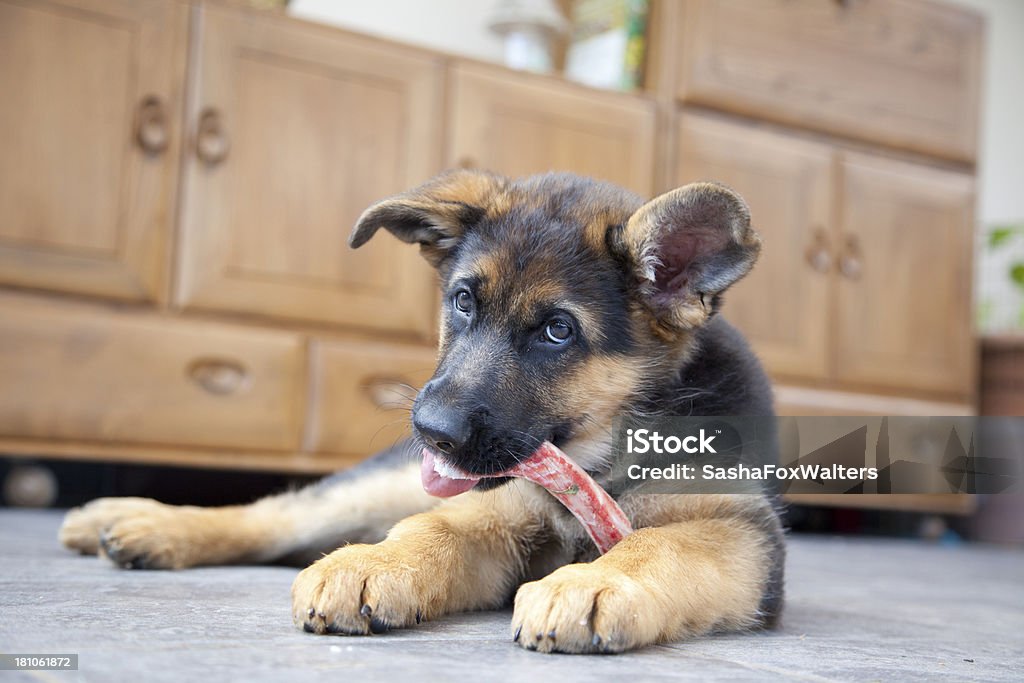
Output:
(1001, 234)
(998, 236)
(1017, 274)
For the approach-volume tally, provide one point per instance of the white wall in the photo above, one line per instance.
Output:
(460, 26)
(1001, 169)
(1000, 304)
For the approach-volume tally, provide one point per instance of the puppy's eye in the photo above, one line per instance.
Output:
(557, 332)
(463, 301)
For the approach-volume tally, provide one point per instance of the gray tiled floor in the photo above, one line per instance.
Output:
(857, 610)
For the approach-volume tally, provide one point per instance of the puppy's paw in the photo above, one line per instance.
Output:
(362, 589)
(585, 608)
(169, 537)
(82, 526)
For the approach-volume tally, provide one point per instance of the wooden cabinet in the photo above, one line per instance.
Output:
(90, 113)
(782, 303)
(865, 275)
(904, 263)
(203, 163)
(295, 130)
(518, 124)
(75, 372)
(902, 72)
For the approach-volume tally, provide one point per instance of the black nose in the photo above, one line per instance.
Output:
(444, 430)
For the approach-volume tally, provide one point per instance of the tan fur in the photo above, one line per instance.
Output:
(658, 584)
(163, 536)
(702, 568)
(442, 201)
(467, 554)
(598, 390)
(82, 526)
(146, 533)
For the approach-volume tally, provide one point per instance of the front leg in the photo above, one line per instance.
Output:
(659, 584)
(468, 554)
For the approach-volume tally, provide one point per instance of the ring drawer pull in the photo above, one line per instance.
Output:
(151, 126)
(851, 263)
(212, 143)
(218, 376)
(818, 256)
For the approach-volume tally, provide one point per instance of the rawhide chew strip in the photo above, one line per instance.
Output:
(598, 512)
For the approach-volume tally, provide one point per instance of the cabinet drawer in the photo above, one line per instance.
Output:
(903, 72)
(363, 394)
(69, 372)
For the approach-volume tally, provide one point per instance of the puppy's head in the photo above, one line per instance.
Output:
(564, 300)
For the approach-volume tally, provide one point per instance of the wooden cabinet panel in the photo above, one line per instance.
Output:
(77, 372)
(900, 72)
(518, 124)
(783, 304)
(904, 292)
(316, 125)
(83, 207)
(364, 393)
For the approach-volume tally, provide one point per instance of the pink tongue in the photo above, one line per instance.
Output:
(549, 467)
(440, 486)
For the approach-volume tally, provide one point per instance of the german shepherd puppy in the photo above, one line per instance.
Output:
(567, 302)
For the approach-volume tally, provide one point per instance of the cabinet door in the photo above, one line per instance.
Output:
(519, 124)
(782, 305)
(904, 296)
(296, 129)
(89, 111)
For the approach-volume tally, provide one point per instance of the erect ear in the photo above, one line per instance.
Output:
(687, 247)
(434, 215)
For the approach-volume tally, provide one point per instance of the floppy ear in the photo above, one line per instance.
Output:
(687, 247)
(434, 215)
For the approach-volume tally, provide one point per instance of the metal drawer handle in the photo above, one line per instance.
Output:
(151, 132)
(218, 376)
(212, 144)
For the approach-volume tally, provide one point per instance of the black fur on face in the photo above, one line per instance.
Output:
(563, 300)
(527, 303)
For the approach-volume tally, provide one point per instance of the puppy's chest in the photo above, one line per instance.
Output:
(565, 542)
